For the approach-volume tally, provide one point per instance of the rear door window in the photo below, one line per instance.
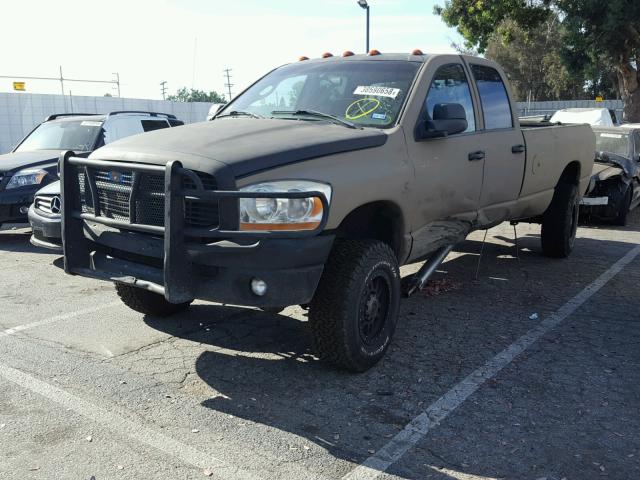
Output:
(496, 108)
(150, 125)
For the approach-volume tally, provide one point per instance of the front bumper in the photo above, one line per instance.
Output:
(185, 263)
(47, 230)
(12, 201)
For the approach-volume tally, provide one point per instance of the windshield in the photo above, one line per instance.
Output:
(369, 93)
(79, 136)
(613, 142)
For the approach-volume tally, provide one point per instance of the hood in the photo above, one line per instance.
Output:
(608, 164)
(19, 160)
(246, 145)
(51, 189)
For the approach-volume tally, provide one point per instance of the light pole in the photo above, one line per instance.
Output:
(365, 5)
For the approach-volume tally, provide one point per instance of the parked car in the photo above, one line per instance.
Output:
(314, 185)
(44, 212)
(593, 116)
(614, 188)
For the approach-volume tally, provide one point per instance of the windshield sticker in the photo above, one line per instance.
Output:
(379, 116)
(611, 135)
(377, 91)
(361, 108)
(89, 123)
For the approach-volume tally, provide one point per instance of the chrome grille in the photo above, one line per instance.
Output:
(115, 188)
(47, 204)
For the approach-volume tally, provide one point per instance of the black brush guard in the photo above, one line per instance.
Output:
(177, 277)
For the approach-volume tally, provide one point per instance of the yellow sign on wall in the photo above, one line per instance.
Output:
(19, 86)
(599, 99)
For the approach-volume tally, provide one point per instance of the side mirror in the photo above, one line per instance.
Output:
(448, 119)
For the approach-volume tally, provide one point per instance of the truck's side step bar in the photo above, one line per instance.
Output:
(416, 282)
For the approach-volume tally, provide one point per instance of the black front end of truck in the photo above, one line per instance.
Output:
(176, 232)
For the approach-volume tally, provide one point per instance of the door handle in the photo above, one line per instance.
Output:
(479, 155)
(518, 149)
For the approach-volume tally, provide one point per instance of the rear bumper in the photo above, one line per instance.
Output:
(183, 263)
(47, 231)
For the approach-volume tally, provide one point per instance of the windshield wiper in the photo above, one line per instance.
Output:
(314, 113)
(237, 113)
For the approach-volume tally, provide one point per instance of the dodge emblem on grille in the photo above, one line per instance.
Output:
(116, 177)
(56, 205)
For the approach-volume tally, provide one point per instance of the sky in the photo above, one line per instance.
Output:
(190, 42)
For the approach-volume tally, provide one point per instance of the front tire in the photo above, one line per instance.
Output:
(354, 311)
(147, 302)
(560, 222)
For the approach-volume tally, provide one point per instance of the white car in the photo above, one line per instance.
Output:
(593, 116)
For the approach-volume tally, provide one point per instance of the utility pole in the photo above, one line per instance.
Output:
(163, 86)
(61, 82)
(227, 72)
(117, 82)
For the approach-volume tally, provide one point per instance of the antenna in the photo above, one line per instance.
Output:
(163, 87)
(227, 73)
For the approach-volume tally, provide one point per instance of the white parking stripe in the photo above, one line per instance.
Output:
(125, 427)
(57, 318)
(415, 430)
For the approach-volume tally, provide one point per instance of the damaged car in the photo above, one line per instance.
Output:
(614, 189)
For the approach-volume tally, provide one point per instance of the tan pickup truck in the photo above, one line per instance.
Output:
(314, 185)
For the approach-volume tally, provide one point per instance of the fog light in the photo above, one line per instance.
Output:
(24, 210)
(258, 286)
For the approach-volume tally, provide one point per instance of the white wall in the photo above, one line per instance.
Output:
(21, 112)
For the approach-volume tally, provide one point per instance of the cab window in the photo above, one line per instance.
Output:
(450, 85)
(496, 108)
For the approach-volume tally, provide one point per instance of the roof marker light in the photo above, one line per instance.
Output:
(374, 52)
(327, 55)
(348, 53)
(417, 51)
(303, 58)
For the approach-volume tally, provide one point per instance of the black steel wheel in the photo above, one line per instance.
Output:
(374, 306)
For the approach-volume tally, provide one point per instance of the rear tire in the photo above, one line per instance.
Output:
(623, 212)
(149, 303)
(354, 311)
(560, 222)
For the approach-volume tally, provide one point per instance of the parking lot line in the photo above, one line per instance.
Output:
(125, 427)
(57, 318)
(415, 430)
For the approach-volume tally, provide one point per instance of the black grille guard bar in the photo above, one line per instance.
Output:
(177, 272)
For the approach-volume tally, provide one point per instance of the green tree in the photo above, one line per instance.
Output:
(193, 95)
(532, 61)
(596, 35)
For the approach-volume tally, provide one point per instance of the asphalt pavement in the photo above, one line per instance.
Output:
(510, 366)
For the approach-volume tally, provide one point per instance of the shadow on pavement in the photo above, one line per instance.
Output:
(262, 368)
(18, 241)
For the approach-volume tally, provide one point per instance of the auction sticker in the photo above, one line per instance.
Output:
(377, 91)
(89, 123)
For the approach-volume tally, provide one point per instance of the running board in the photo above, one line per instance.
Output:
(416, 282)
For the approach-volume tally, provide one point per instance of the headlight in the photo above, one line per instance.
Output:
(28, 176)
(303, 213)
